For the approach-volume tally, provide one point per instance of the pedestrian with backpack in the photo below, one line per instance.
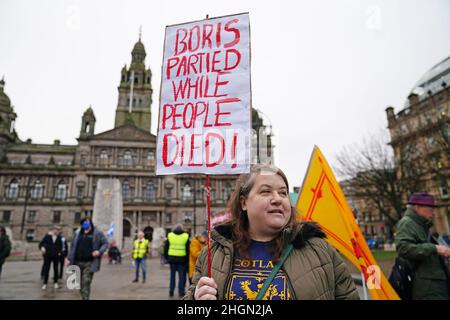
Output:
(419, 251)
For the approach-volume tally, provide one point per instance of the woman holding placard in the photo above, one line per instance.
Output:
(265, 253)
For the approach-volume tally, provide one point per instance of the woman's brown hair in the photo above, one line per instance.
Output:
(240, 226)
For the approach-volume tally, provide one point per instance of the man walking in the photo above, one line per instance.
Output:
(421, 250)
(140, 250)
(63, 255)
(87, 248)
(51, 247)
(5, 247)
(176, 251)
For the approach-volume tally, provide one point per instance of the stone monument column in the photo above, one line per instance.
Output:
(108, 209)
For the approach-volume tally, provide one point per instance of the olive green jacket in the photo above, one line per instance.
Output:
(414, 245)
(315, 271)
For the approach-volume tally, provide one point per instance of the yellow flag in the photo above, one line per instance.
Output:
(322, 200)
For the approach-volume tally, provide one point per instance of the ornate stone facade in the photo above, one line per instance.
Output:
(420, 137)
(42, 185)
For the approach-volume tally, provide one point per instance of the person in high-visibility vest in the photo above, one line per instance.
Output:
(176, 251)
(139, 255)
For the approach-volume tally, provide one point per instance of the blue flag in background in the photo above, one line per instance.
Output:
(110, 232)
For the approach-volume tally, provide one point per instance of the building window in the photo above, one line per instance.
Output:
(56, 217)
(127, 159)
(168, 217)
(12, 191)
(103, 157)
(152, 216)
(431, 141)
(83, 160)
(77, 218)
(150, 158)
(227, 191)
(6, 218)
(186, 194)
(188, 217)
(31, 217)
(30, 235)
(61, 190)
(126, 191)
(150, 192)
(168, 193)
(80, 191)
(37, 191)
(443, 188)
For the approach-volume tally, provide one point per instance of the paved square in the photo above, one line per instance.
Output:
(21, 280)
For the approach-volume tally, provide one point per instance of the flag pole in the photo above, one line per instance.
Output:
(208, 207)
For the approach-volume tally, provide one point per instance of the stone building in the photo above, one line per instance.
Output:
(420, 138)
(46, 184)
(371, 222)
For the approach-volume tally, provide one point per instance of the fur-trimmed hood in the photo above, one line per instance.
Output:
(303, 232)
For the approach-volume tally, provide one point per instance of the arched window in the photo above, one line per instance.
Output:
(127, 159)
(13, 190)
(37, 191)
(186, 193)
(126, 193)
(61, 190)
(150, 191)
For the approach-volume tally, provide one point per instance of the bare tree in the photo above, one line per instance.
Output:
(373, 175)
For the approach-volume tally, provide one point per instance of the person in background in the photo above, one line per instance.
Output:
(51, 247)
(140, 250)
(5, 247)
(176, 251)
(196, 246)
(420, 249)
(63, 255)
(88, 246)
(114, 253)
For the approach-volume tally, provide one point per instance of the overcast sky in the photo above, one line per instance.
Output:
(323, 72)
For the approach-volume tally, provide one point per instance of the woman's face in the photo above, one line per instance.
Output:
(268, 207)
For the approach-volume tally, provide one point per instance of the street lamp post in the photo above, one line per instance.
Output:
(22, 225)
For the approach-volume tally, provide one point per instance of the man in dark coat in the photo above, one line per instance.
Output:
(421, 250)
(63, 256)
(5, 247)
(51, 247)
(87, 248)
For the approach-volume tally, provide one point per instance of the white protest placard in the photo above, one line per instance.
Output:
(205, 101)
